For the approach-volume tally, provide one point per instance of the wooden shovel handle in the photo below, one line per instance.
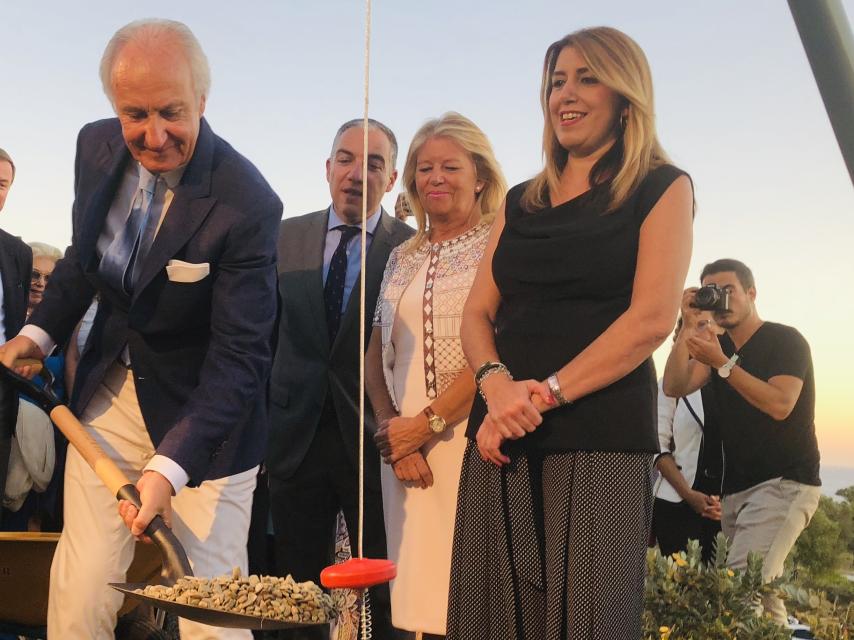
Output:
(91, 451)
(175, 562)
(35, 363)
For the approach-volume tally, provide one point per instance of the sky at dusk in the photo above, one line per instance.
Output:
(736, 106)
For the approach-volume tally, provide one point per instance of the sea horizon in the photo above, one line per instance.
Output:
(834, 478)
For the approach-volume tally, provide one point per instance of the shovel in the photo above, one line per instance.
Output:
(174, 558)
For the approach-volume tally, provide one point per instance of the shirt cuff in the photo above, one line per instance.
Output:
(40, 337)
(170, 470)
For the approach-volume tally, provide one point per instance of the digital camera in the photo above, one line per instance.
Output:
(711, 298)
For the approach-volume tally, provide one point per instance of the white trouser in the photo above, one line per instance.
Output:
(767, 519)
(211, 521)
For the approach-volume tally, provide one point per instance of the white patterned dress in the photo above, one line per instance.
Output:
(419, 312)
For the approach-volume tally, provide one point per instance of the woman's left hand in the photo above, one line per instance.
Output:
(398, 437)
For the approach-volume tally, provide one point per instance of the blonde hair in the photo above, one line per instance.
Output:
(468, 135)
(620, 64)
(44, 250)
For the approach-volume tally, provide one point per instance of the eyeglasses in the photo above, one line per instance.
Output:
(38, 276)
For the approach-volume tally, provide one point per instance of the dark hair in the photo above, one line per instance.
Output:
(5, 157)
(372, 124)
(741, 270)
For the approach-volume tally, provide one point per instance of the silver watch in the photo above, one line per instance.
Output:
(725, 369)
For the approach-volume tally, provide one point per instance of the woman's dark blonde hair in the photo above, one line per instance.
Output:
(618, 63)
(468, 135)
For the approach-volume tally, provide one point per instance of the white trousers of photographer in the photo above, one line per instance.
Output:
(767, 519)
(211, 521)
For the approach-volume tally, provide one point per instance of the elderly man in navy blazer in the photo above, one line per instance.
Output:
(176, 232)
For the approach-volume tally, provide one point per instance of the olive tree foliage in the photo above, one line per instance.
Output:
(826, 545)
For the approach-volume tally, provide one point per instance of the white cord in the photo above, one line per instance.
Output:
(366, 632)
(362, 284)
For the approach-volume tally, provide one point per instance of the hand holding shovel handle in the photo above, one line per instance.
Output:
(175, 563)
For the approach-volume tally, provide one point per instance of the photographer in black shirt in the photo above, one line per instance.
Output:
(762, 378)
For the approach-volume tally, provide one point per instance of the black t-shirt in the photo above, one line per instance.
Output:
(565, 274)
(756, 446)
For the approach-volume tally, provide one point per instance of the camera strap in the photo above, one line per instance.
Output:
(693, 413)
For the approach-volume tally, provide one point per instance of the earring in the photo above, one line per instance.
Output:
(623, 121)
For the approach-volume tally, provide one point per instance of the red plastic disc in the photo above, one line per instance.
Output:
(358, 573)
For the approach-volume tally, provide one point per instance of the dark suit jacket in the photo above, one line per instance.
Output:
(306, 367)
(16, 265)
(201, 351)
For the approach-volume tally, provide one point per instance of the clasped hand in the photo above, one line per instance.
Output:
(399, 441)
(515, 410)
(705, 505)
(397, 437)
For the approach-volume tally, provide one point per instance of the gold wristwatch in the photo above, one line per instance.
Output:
(436, 423)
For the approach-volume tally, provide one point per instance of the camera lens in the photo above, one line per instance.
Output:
(706, 297)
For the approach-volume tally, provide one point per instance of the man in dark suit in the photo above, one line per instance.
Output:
(16, 264)
(312, 455)
(175, 231)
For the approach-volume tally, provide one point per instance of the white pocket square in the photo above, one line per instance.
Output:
(180, 271)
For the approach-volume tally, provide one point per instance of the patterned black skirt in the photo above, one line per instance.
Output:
(550, 547)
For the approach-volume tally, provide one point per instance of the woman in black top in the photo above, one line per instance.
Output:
(580, 282)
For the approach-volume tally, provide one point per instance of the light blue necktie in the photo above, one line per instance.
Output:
(122, 262)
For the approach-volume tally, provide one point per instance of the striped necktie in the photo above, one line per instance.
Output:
(122, 261)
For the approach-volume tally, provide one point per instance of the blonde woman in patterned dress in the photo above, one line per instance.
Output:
(417, 377)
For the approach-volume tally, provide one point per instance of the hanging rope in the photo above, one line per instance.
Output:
(362, 282)
(364, 616)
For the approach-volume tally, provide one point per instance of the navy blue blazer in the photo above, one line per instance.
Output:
(201, 351)
(16, 266)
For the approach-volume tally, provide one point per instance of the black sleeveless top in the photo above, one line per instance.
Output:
(565, 274)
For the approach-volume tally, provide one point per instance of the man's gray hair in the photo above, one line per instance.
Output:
(372, 124)
(156, 30)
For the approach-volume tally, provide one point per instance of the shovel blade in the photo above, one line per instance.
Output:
(213, 617)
